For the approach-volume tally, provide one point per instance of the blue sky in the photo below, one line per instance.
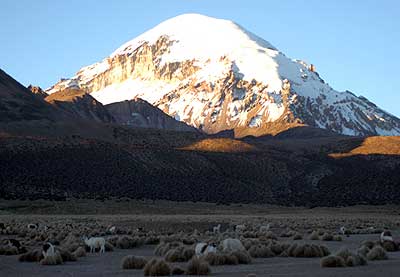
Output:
(354, 44)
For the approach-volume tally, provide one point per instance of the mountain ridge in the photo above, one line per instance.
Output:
(215, 75)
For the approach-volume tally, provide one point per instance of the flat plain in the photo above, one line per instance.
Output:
(164, 218)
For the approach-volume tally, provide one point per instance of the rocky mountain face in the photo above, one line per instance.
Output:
(31, 111)
(38, 91)
(139, 113)
(80, 105)
(214, 75)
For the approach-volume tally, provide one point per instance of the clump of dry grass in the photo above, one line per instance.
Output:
(108, 247)
(368, 243)
(133, 262)
(343, 257)
(31, 256)
(176, 270)
(71, 242)
(261, 251)
(66, 255)
(314, 236)
(55, 259)
(269, 235)
(157, 267)
(389, 246)
(287, 234)
(79, 252)
(242, 256)
(164, 247)
(197, 266)
(307, 250)
(221, 259)
(284, 254)
(277, 248)
(8, 250)
(332, 261)
(377, 253)
(327, 237)
(337, 238)
(179, 254)
(152, 240)
(127, 242)
(297, 236)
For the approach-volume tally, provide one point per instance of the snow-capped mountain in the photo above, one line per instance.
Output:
(215, 75)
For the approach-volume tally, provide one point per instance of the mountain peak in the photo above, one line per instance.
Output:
(215, 75)
(207, 36)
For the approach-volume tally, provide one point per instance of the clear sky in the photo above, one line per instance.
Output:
(354, 44)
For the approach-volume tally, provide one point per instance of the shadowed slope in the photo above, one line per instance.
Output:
(17, 103)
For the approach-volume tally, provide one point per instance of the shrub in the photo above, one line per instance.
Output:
(377, 253)
(368, 243)
(389, 246)
(308, 250)
(197, 267)
(79, 252)
(344, 253)
(133, 262)
(297, 236)
(163, 248)
(327, 237)
(127, 242)
(337, 238)
(32, 256)
(277, 248)
(9, 250)
(56, 259)
(314, 236)
(152, 240)
(157, 267)
(108, 247)
(332, 261)
(221, 259)
(242, 256)
(284, 254)
(261, 251)
(66, 255)
(177, 271)
(363, 251)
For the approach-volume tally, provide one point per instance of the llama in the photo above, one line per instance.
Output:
(95, 242)
(231, 245)
(217, 229)
(112, 229)
(386, 236)
(48, 250)
(265, 228)
(203, 249)
(32, 226)
(240, 228)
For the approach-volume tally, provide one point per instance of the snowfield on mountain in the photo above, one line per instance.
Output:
(214, 75)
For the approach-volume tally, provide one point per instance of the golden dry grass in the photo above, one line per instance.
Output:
(374, 145)
(225, 145)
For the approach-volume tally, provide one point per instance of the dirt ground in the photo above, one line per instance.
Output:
(187, 216)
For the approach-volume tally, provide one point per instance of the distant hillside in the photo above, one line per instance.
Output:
(139, 113)
(184, 166)
(17, 103)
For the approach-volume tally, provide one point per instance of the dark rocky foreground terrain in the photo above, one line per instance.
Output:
(154, 164)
